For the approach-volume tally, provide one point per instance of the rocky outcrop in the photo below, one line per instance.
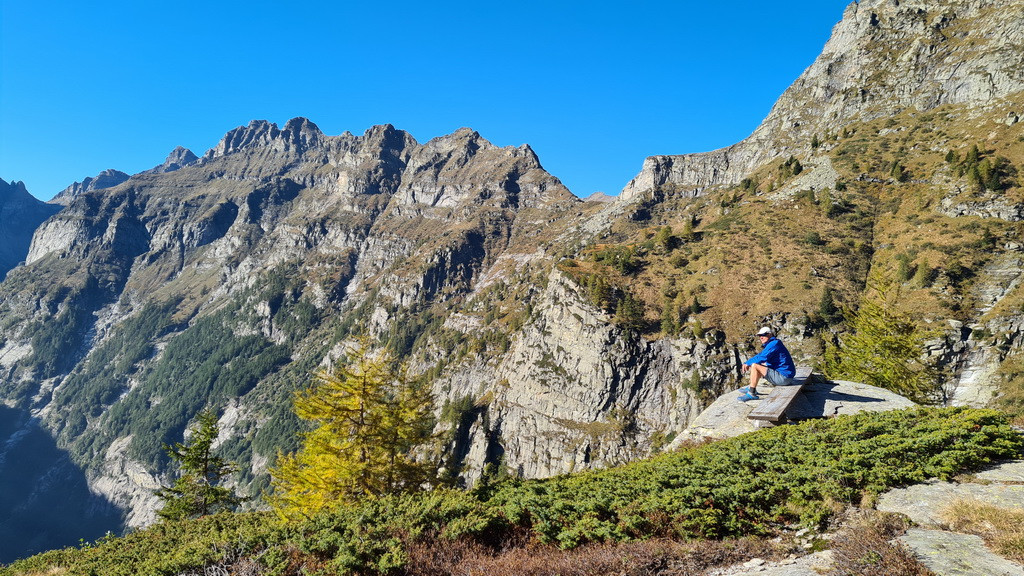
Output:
(575, 392)
(948, 552)
(883, 57)
(298, 135)
(727, 416)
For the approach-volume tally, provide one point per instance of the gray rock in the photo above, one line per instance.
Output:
(954, 554)
(925, 503)
(179, 158)
(727, 416)
(810, 565)
(1005, 472)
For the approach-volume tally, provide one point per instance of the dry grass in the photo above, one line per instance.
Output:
(1001, 528)
(648, 558)
(865, 547)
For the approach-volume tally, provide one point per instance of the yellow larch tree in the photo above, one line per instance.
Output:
(369, 419)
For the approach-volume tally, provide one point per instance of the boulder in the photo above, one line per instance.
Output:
(727, 416)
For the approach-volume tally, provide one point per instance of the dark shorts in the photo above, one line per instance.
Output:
(777, 379)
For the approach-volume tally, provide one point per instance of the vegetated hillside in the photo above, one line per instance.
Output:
(929, 200)
(557, 335)
(764, 484)
(236, 276)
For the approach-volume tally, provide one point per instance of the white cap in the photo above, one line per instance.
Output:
(765, 331)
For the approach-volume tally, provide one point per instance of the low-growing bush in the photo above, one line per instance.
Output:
(751, 485)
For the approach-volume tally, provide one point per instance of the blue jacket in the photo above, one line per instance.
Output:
(775, 356)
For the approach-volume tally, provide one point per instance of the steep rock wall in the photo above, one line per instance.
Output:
(884, 56)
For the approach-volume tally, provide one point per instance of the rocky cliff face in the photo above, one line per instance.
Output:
(884, 57)
(574, 391)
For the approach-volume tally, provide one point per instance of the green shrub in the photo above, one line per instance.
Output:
(749, 485)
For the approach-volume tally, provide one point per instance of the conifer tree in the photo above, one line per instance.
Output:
(369, 418)
(197, 491)
(630, 314)
(827, 309)
(664, 239)
(688, 234)
(884, 348)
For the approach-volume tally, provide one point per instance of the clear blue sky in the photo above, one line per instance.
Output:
(593, 87)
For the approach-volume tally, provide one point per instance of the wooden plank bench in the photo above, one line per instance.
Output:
(772, 408)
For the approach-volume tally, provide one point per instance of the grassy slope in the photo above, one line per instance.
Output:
(756, 484)
(772, 246)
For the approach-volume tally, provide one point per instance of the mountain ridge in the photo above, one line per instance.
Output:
(854, 79)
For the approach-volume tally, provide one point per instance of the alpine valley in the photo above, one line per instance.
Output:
(557, 334)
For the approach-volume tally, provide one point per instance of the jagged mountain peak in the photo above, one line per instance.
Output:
(105, 179)
(20, 214)
(298, 135)
(463, 138)
(12, 189)
(387, 137)
(176, 160)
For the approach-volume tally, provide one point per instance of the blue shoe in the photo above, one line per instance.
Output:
(747, 390)
(746, 397)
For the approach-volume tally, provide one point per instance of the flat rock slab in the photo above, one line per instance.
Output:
(954, 554)
(1008, 472)
(727, 416)
(924, 503)
(827, 399)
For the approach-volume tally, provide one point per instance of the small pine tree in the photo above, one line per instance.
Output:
(664, 239)
(669, 317)
(688, 234)
(695, 306)
(925, 275)
(973, 155)
(197, 491)
(370, 417)
(827, 308)
(602, 294)
(904, 268)
(884, 348)
(630, 314)
(899, 172)
(974, 178)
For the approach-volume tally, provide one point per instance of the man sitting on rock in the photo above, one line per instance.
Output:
(773, 363)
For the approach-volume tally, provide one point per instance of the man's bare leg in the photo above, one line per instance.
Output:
(757, 371)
